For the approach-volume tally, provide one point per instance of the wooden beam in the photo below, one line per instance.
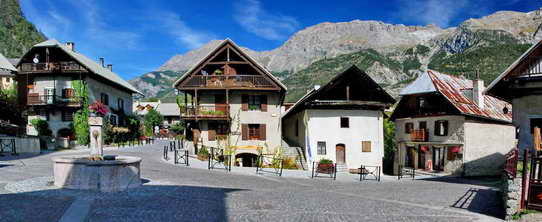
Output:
(226, 62)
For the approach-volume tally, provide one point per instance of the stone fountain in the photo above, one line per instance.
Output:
(96, 171)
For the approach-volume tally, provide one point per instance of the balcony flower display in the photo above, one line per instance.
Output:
(98, 108)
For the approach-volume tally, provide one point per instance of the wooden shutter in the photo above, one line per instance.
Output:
(244, 131)
(365, 146)
(445, 123)
(262, 132)
(244, 101)
(264, 103)
(212, 134)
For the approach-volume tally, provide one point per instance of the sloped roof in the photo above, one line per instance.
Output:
(451, 87)
(90, 65)
(508, 71)
(5, 64)
(222, 44)
(422, 84)
(389, 100)
(165, 109)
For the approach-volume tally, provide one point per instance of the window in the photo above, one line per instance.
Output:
(423, 125)
(120, 104)
(421, 102)
(409, 127)
(104, 98)
(254, 131)
(254, 102)
(345, 122)
(67, 116)
(441, 128)
(535, 122)
(113, 119)
(67, 93)
(365, 146)
(321, 148)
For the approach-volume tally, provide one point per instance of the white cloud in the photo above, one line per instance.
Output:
(436, 12)
(255, 19)
(186, 36)
(98, 28)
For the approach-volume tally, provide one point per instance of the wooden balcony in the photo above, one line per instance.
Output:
(421, 135)
(229, 81)
(218, 112)
(51, 67)
(35, 99)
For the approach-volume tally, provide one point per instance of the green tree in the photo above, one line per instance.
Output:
(80, 118)
(152, 119)
(390, 145)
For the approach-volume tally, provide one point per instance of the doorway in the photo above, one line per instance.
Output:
(438, 159)
(410, 156)
(247, 159)
(340, 152)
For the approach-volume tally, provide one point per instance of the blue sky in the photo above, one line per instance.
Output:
(138, 36)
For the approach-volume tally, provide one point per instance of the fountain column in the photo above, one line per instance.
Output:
(96, 132)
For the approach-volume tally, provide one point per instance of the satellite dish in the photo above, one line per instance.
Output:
(36, 60)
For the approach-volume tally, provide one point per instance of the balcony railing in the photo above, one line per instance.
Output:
(207, 112)
(37, 99)
(229, 81)
(52, 67)
(421, 135)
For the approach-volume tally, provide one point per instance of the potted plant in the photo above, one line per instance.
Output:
(98, 109)
(203, 154)
(325, 166)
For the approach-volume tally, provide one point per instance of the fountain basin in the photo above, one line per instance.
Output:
(80, 172)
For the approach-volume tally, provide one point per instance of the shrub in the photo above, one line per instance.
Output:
(177, 128)
(325, 161)
(42, 127)
(289, 163)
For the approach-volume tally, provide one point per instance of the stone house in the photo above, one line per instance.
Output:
(447, 124)
(170, 111)
(341, 121)
(521, 84)
(231, 94)
(7, 73)
(45, 90)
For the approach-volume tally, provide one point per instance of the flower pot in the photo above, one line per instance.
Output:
(327, 168)
(203, 157)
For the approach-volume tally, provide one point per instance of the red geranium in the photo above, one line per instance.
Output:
(98, 108)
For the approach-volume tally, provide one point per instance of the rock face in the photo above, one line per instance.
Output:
(393, 54)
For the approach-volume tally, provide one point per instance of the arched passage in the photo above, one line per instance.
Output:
(247, 159)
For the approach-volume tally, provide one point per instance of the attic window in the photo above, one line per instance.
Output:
(505, 110)
(345, 122)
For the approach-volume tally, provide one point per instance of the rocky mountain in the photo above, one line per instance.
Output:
(392, 54)
(17, 35)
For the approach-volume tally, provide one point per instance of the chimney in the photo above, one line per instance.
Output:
(110, 67)
(102, 62)
(70, 45)
(477, 91)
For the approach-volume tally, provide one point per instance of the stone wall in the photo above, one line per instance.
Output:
(511, 193)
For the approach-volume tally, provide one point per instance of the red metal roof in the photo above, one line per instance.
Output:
(452, 88)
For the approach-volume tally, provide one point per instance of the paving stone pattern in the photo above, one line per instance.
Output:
(179, 193)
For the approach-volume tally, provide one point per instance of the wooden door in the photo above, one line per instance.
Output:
(220, 103)
(340, 153)
(438, 159)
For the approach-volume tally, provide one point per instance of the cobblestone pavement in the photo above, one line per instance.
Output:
(180, 193)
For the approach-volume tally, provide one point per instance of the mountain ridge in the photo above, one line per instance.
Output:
(393, 54)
